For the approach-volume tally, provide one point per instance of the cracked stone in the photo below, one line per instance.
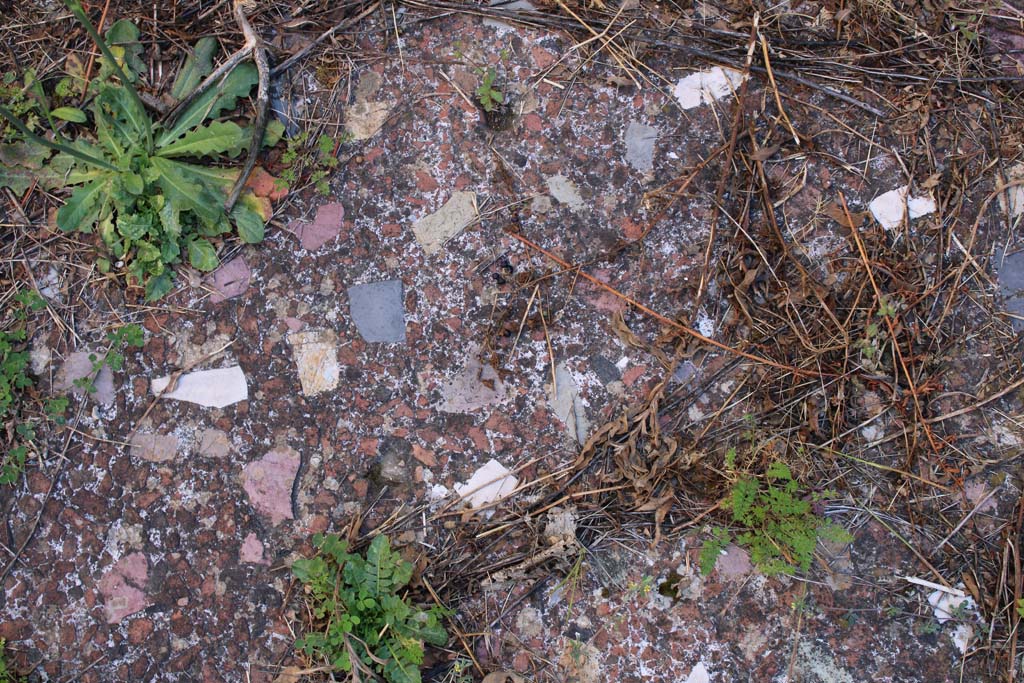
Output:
(316, 356)
(122, 586)
(567, 405)
(1012, 201)
(217, 388)
(394, 467)
(330, 218)
(268, 483)
(433, 230)
(252, 551)
(506, 6)
(231, 279)
(1011, 286)
(699, 674)
(214, 443)
(378, 311)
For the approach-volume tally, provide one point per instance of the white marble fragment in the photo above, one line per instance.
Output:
(491, 482)
(889, 208)
(946, 605)
(707, 86)
(209, 388)
(566, 403)
(699, 674)
(566, 192)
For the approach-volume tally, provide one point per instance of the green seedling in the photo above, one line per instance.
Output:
(488, 96)
(117, 340)
(15, 385)
(779, 527)
(363, 624)
(318, 163)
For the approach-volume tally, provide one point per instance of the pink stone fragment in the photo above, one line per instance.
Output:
(252, 550)
(324, 228)
(122, 587)
(294, 324)
(734, 563)
(231, 279)
(268, 483)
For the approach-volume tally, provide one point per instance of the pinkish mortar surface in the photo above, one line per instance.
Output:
(199, 590)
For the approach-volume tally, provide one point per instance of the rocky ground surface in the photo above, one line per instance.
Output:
(379, 348)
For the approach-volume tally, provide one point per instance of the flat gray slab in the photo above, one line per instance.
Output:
(640, 141)
(378, 311)
(1011, 286)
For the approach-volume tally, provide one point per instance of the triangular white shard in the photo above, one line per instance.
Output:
(490, 483)
(209, 388)
(889, 208)
(705, 87)
(699, 674)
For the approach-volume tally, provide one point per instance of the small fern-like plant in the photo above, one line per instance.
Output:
(361, 623)
(151, 208)
(780, 527)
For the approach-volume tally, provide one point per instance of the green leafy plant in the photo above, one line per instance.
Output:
(6, 675)
(362, 624)
(152, 209)
(15, 383)
(19, 96)
(117, 340)
(461, 671)
(641, 588)
(488, 96)
(318, 163)
(780, 528)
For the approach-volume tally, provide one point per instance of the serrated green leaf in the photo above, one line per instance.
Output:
(202, 255)
(130, 120)
(182, 188)
(107, 231)
(65, 169)
(170, 218)
(158, 286)
(80, 209)
(218, 137)
(72, 114)
(132, 226)
(18, 178)
(169, 250)
(211, 103)
(23, 153)
(249, 224)
(197, 66)
(147, 251)
(214, 177)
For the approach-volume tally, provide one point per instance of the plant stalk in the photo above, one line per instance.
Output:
(23, 129)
